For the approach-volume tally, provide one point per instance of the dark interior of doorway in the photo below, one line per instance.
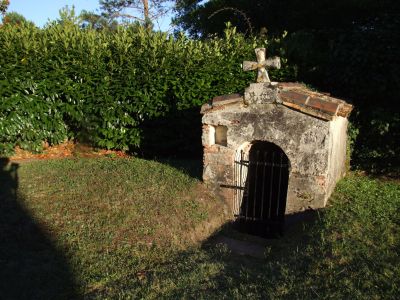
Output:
(262, 210)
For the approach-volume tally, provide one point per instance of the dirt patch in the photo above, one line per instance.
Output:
(65, 150)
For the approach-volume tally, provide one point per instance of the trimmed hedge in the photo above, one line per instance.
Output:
(99, 87)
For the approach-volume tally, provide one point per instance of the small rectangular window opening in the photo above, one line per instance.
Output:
(221, 135)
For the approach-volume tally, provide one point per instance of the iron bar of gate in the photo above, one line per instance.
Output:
(255, 184)
(241, 181)
(235, 192)
(238, 174)
(230, 186)
(270, 187)
(238, 182)
(279, 187)
(246, 162)
(263, 187)
(242, 184)
(246, 191)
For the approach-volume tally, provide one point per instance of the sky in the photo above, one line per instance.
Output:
(41, 11)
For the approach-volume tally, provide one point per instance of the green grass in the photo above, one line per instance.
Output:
(131, 228)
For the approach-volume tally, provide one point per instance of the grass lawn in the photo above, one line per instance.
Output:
(130, 228)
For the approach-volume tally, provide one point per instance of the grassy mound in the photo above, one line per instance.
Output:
(131, 228)
(106, 221)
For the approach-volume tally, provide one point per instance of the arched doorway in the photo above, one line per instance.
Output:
(263, 180)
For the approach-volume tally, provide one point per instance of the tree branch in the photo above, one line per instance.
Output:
(242, 13)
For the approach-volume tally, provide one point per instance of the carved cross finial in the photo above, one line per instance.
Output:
(262, 65)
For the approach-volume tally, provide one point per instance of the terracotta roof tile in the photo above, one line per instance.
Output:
(294, 97)
(320, 105)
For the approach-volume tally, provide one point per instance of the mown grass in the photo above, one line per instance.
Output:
(131, 228)
(106, 220)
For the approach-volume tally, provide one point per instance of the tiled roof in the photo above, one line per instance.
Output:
(320, 105)
(296, 96)
(220, 102)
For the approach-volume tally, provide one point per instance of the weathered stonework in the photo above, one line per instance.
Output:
(261, 93)
(309, 127)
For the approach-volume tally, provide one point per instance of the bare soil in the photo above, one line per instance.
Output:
(67, 149)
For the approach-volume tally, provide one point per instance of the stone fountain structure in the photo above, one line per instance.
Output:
(276, 149)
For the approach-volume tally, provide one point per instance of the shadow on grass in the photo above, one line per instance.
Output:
(347, 250)
(217, 270)
(296, 231)
(31, 266)
(191, 167)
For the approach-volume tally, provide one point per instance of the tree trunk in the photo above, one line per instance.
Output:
(145, 9)
(147, 20)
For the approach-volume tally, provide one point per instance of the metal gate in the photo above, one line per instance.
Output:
(260, 189)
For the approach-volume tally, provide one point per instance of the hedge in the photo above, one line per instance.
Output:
(99, 87)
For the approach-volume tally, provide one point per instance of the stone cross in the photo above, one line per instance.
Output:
(262, 65)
